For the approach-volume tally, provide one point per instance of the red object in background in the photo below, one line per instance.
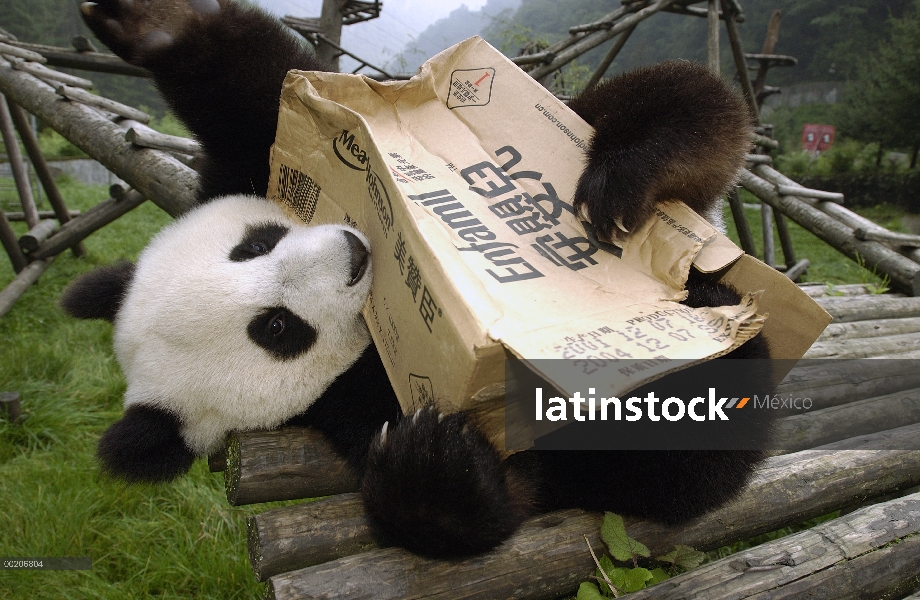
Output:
(817, 138)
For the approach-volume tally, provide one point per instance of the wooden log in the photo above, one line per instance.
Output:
(693, 11)
(79, 95)
(762, 140)
(863, 417)
(17, 52)
(798, 269)
(85, 61)
(609, 57)
(41, 169)
(865, 348)
(871, 553)
(741, 223)
(888, 237)
(766, 223)
(904, 273)
(734, 40)
(42, 214)
(37, 235)
(285, 464)
(804, 192)
(148, 138)
(758, 159)
(837, 211)
(547, 557)
(785, 241)
(43, 72)
(536, 58)
(846, 309)
(95, 218)
(82, 44)
(156, 175)
(10, 406)
(292, 537)
(11, 244)
(869, 329)
(23, 187)
(16, 288)
(831, 383)
(712, 36)
(826, 290)
(597, 38)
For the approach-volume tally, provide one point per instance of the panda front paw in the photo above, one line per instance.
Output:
(137, 30)
(436, 486)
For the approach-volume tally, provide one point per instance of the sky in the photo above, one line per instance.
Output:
(377, 40)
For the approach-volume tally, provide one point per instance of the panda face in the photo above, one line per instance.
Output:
(238, 317)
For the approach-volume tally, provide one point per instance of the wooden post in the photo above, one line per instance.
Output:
(41, 169)
(741, 223)
(11, 245)
(712, 36)
(10, 407)
(16, 164)
(330, 21)
(785, 240)
(610, 56)
(769, 46)
(16, 288)
(734, 39)
(766, 222)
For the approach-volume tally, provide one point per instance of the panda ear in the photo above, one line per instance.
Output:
(98, 294)
(145, 446)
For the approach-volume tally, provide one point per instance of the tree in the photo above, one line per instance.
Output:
(880, 104)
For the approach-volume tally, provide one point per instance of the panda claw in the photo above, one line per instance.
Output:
(383, 434)
(415, 416)
(440, 417)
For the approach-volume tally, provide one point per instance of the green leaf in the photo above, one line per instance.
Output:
(635, 579)
(589, 591)
(621, 546)
(684, 557)
(658, 575)
(608, 568)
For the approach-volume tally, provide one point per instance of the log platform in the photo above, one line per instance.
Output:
(861, 446)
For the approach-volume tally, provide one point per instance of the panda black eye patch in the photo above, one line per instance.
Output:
(281, 333)
(258, 241)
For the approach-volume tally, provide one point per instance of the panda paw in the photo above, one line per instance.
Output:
(137, 30)
(436, 486)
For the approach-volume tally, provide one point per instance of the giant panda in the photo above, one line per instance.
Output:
(237, 318)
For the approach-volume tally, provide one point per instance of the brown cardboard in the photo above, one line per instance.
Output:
(462, 179)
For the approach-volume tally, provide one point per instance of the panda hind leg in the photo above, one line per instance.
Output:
(436, 486)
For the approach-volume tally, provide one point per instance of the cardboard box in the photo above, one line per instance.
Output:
(462, 179)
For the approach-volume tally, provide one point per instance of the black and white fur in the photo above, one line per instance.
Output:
(196, 318)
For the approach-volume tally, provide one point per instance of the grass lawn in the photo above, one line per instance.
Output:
(165, 541)
(168, 541)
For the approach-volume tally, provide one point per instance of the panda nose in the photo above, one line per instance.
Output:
(358, 258)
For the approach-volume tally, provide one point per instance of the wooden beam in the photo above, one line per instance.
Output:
(10, 406)
(547, 557)
(99, 62)
(156, 175)
(92, 220)
(41, 170)
(16, 288)
(873, 552)
(17, 166)
(286, 464)
(846, 309)
(904, 273)
(80, 95)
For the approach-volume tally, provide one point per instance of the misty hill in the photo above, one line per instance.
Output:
(444, 33)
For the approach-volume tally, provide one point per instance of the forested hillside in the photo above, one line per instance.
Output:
(827, 36)
(56, 22)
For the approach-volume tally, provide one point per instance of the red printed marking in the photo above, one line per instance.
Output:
(481, 78)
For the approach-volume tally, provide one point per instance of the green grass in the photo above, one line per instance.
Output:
(167, 541)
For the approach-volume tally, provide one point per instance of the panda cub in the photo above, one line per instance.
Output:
(237, 318)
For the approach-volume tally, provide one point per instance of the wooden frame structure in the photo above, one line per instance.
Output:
(308, 550)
